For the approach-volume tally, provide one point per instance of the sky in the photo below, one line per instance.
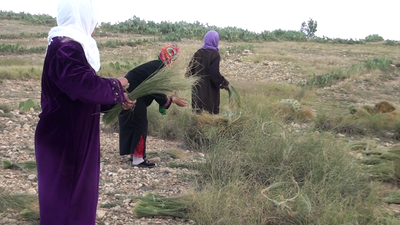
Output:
(345, 19)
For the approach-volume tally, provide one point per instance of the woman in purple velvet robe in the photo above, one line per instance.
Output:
(67, 138)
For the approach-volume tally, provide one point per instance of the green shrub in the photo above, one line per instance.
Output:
(373, 38)
(5, 107)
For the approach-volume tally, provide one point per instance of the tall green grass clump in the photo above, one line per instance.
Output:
(315, 161)
(261, 170)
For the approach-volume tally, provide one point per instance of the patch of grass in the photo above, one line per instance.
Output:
(328, 79)
(18, 202)
(17, 48)
(391, 42)
(152, 154)
(30, 215)
(109, 205)
(238, 49)
(393, 198)
(243, 158)
(5, 107)
(119, 43)
(178, 165)
(20, 72)
(176, 153)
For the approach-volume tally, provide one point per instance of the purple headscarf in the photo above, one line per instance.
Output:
(211, 40)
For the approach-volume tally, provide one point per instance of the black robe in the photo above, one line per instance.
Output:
(206, 94)
(133, 124)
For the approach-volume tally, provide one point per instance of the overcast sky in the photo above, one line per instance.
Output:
(336, 19)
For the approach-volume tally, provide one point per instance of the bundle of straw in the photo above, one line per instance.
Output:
(157, 205)
(234, 97)
(164, 81)
(23, 165)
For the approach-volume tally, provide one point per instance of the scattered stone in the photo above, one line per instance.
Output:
(32, 177)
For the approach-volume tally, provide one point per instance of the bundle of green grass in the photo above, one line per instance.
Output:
(164, 81)
(234, 97)
(157, 205)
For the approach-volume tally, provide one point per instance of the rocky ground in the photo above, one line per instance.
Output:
(119, 182)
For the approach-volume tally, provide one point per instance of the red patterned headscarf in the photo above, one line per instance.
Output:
(169, 54)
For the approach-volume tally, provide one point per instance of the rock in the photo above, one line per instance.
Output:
(155, 159)
(100, 214)
(32, 177)
(26, 126)
(31, 191)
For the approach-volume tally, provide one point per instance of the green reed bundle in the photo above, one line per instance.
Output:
(234, 97)
(164, 81)
(157, 205)
(23, 165)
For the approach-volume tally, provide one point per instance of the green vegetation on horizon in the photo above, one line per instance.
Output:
(178, 30)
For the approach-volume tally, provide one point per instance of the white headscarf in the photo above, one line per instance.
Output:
(77, 19)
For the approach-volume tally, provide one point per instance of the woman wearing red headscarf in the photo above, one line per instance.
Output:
(133, 125)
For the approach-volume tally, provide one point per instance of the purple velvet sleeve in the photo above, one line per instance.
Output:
(76, 78)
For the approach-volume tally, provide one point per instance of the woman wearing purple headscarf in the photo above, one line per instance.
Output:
(205, 64)
(67, 138)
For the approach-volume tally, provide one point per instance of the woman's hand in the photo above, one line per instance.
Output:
(225, 85)
(180, 101)
(128, 104)
(124, 82)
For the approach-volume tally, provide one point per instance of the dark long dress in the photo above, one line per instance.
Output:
(206, 94)
(67, 138)
(133, 125)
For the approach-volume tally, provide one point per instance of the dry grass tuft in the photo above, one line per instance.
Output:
(176, 153)
(292, 110)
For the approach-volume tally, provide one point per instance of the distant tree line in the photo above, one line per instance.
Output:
(168, 31)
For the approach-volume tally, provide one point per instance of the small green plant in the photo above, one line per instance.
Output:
(377, 63)
(30, 215)
(27, 105)
(5, 107)
(109, 205)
